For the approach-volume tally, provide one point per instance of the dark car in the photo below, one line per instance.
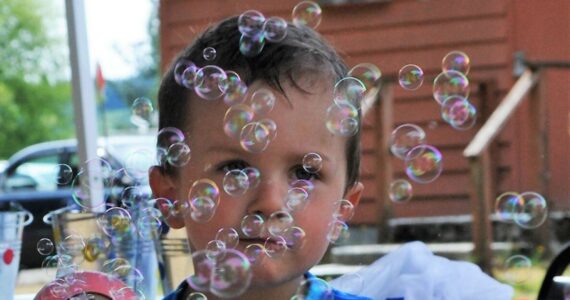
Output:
(30, 179)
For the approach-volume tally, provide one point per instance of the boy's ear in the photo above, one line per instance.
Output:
(354, 193)
(163, 186)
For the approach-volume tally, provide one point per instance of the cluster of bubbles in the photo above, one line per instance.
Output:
(423, 162)
(73, 250)
(450, 89)
(128, 216)
(528, 210)
(255, 29)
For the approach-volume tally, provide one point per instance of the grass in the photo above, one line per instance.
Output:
(526, 282)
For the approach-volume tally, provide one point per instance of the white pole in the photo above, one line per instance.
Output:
(84, 106)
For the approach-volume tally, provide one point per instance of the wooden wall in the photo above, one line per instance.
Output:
(393, 34)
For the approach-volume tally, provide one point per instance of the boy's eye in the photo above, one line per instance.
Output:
(233, 165)
(300, 173)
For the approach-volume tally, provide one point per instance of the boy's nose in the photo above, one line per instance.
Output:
(268, 197)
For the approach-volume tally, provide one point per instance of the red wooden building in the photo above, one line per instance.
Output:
(393, 33)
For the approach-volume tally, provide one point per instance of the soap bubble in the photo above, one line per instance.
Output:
(202, 209)
(250, 23)
(236, 117)
(252, 225)
(45, 246)
(314, 288)
(296, 199)
(203, 197)
(349, 90)
(456, 61)
(451, 109)
(214, 249)
(205, 188)
(253, 176)
(271, 127)
(507, 205)
(275, 247)
(115, 222)
(367, 73)
(228, 236)
(178, 154)
(307, 13)
(278, 222)
(251, 46)
(168, 136)
(236, 89)
(295, 237)
(134, 195)
(142, 108)
(404, 138)
(148, 227)
(231, 274)
(94, 247)
(138, 163)
(211, 82)
(304, 184)
(342, 119)
(275, 29)
(312, 162)
(262, 101)
(411, 77)
(203, 266)
(236, 182)
(517, 268)
(400, 191)
(64, 174)
(424, 164)
(196, 296)
(344, 211)
(81, 185)
(71, 245)
(179, 68)
(450, 83)
(338, 230)
(188, 77)
(533, 212)
(255, 137)
(255, 253)
(209, 53)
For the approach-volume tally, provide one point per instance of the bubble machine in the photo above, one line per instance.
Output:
(12, 223)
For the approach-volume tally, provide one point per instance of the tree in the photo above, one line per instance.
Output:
(35, 95)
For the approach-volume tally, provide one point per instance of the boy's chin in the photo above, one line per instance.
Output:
(272, 272)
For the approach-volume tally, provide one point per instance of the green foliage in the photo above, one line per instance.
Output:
(35, 101)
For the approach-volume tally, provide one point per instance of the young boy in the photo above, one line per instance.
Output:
(301, 71)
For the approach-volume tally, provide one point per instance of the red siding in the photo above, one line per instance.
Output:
(393, 34)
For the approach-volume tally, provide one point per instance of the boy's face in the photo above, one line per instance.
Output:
(301, 129)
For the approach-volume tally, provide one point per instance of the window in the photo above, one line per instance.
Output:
(37, 174)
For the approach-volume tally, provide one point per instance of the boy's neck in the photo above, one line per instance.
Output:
(281, 292)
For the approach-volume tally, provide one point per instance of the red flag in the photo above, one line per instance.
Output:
(99, 80)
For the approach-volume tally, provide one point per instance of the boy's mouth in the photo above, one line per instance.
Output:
(267, 241)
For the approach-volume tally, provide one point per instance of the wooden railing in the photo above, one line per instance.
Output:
(480, 164)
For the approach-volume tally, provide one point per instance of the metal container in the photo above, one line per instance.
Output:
(12, 223)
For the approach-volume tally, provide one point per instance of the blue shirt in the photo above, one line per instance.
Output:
(313, 294)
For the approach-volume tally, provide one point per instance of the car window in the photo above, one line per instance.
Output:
(38, 174)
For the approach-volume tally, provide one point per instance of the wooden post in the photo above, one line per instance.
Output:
(537, 164)
(384, 127)
(482, 195)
